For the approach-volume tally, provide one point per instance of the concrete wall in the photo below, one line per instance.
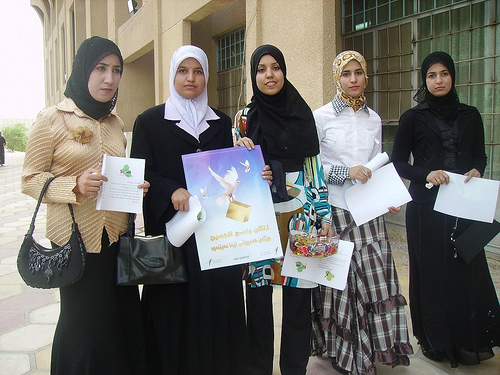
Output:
(308, 36)
(148, 39)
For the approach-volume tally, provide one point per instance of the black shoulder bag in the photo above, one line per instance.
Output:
(45, 268)
(148, 260)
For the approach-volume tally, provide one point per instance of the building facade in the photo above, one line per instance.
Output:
(393, 35)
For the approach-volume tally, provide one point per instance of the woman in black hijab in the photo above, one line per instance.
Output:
(454, 306)
(99, 330)
(279, 120)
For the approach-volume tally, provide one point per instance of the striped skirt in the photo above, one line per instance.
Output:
(364, 324)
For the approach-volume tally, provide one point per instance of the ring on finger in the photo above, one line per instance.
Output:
(365, 172)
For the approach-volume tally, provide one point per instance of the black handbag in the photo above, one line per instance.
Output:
(45, 268)
(148, 260)
(473, 240)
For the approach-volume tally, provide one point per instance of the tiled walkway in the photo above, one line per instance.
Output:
(28, 316)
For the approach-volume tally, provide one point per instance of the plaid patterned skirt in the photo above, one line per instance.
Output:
(364, 324)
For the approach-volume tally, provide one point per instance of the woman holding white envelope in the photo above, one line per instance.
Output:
(365, 323)
(454, 307)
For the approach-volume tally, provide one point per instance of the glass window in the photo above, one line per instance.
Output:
(230, 50)
(406, 38)
(370, 4)
(441, 43)
(383, 47)
(426, 5)
(396, 9)
(394, 40)
(441, 23)
(383, 14)
(347, 24)
(368, 46)
(230, 78)
(409, 10)
(479, 16)
(371, 17)
(442, 3)
(479, 38)
(424, 27)
(347, 7)
(358, 6)
(460, 18)
(460, 46)
(468, 30)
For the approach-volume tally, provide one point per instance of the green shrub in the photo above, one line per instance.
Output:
(16, 137)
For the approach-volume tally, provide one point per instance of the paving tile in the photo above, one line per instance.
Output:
(45, 314)
(9, 260)
(27, 339)
(25, 301)
(14, 364)
(11, 320)
(7, 253)
(5, 269)
(7, 291)
(43, 358)
(6, 231)
(11, 279)
(8, 239)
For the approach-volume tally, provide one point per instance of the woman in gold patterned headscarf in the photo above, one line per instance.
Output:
(365, 323)
(344, 94)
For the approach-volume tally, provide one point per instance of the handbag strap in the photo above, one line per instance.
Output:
(131, 225)
(42, 193)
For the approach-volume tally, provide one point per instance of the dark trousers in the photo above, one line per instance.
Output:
(295, 331)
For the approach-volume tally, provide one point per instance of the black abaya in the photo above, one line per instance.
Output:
(99, 329)
(197, 328)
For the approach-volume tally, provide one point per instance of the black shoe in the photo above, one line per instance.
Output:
(451, 357)
(436, 356)
(339, 369)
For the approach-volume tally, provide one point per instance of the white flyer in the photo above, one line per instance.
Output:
(120, 192)
(331, 271)
(385, 189)
(474, 200)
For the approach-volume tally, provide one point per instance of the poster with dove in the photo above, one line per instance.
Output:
(240, 225)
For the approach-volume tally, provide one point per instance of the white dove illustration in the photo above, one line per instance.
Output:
(203, 193)
(246, 164)
(229, 182)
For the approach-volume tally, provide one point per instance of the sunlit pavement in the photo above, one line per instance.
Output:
(28, 316)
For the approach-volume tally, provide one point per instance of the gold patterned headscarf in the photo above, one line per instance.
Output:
(338, 66)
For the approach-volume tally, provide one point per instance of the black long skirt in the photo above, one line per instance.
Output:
(100, 325)
(196, 328)
(454, 306)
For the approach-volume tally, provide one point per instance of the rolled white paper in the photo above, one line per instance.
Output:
(185, 223)
(378, 161)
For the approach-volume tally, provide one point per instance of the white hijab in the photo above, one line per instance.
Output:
(192, 113)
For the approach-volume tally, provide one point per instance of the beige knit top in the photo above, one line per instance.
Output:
(55, 149)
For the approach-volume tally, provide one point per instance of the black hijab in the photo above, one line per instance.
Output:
(446, 106)
(90, 52)
(284, 123)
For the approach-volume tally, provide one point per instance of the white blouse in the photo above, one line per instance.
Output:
(346, 140)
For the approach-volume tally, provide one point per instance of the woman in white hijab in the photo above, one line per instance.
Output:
(196, 327)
